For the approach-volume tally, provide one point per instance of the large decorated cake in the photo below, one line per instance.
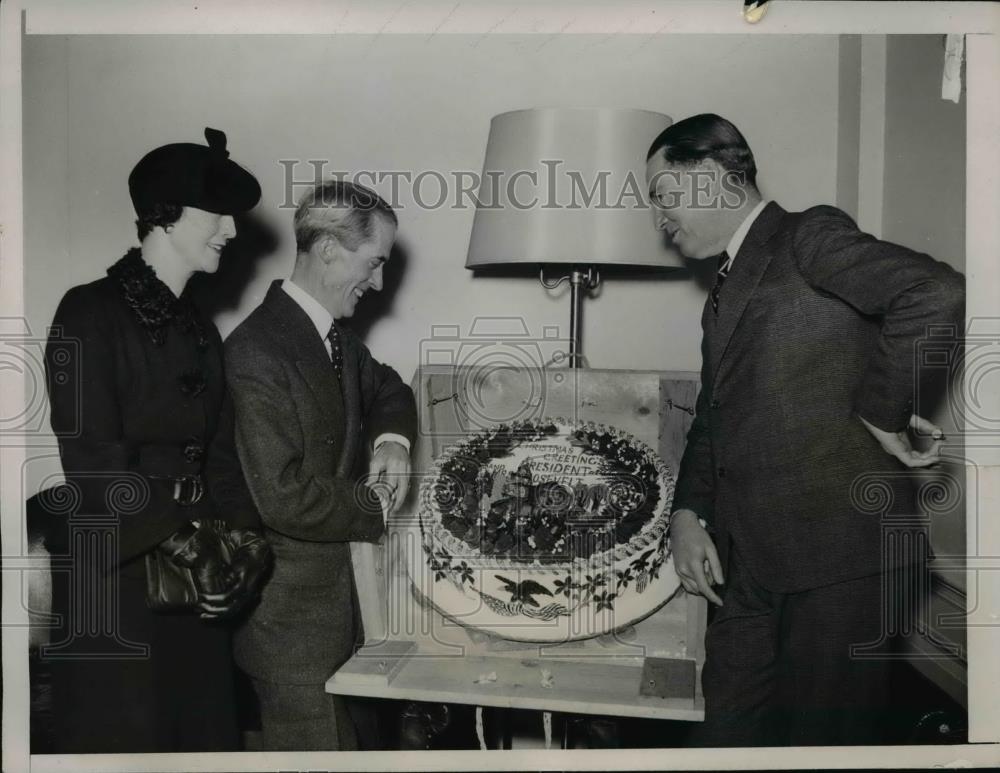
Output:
(546, 531)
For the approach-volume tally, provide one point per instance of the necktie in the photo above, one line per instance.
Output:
(336, 355)
(725, 262)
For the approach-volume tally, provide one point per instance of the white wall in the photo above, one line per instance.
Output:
(849, 124)
(94, 105)
(924, 208)
(925, 152)
(408, 103)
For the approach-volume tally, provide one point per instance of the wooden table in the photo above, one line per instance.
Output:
(412, 652)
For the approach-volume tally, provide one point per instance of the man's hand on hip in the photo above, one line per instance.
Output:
(389, 474)
(898, 443)
(695, 558)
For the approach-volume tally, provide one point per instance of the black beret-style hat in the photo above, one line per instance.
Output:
(190, 175)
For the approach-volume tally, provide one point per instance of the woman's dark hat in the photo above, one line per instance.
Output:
(192, 175)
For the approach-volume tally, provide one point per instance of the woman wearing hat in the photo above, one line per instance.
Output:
(139, 402)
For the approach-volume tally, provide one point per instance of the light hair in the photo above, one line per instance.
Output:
(341, 209)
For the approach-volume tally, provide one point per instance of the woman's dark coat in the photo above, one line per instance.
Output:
(136, 387)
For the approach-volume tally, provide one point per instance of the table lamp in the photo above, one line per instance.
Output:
(567, 186)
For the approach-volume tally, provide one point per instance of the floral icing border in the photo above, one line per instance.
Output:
(580, 582)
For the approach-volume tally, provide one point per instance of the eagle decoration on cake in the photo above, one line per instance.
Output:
(546, 520)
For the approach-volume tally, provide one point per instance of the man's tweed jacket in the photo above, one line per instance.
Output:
(300, 444)
(817, 324)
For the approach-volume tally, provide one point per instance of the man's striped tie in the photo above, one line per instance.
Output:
(725, 263)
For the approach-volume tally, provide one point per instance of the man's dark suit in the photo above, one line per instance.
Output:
(816, 325)
(300, 434)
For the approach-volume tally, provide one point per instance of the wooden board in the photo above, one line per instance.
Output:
(430, 658)
(414, 653)
(581, 686)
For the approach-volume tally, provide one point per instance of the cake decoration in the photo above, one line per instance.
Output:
(546, 530)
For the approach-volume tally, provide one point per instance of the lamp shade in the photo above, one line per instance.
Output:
(568, 186)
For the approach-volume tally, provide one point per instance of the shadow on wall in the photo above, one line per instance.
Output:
(222, 291)
(255, 241)
(377, 305)
(701, 272)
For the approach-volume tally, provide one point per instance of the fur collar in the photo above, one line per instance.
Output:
(151, 301)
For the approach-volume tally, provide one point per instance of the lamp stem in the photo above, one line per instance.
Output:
(581, 282)
(576, 282)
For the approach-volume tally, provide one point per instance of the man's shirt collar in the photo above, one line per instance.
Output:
(736, 241)
(320, 317)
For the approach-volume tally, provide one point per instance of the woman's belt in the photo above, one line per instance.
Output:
(187, 489)
(179, 466)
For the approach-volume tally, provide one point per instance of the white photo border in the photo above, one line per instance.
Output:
(979, 21)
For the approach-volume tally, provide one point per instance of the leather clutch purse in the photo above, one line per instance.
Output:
(171, 587)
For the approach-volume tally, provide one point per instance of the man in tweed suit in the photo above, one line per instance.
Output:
(307, 392)
(806, 385)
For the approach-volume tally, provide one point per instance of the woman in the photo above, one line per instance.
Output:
(139, 402)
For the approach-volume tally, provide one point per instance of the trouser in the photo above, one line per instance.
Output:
(303, 717)
(779, 668)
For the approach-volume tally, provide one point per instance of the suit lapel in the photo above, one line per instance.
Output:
(305, 346)
(319, 376)
(749, 266)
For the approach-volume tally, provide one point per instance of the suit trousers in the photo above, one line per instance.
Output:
(303, 717)
(779, 668)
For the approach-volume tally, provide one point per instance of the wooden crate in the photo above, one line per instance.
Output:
(649, 670)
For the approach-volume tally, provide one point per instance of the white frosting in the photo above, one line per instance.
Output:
(532, 600)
